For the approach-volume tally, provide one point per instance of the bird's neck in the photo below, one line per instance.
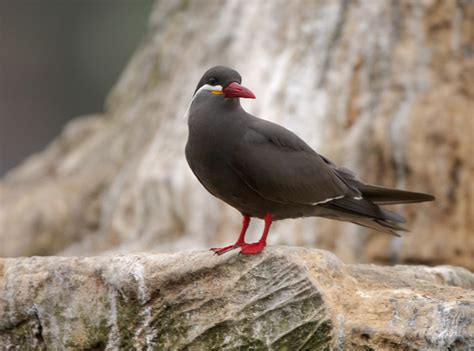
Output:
(232, 103)
(204, 106)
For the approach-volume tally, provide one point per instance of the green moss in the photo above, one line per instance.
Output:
(320, 339)
(128, 319)
(97, 335)
(26, 335)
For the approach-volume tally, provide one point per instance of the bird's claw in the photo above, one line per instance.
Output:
(222, 250)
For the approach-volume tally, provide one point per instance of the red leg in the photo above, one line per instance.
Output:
(240, 240)
(257, 247)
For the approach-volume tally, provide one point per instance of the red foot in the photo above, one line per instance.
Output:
(254, 248)
(223, 250)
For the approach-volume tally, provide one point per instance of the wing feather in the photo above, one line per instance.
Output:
(281, 167)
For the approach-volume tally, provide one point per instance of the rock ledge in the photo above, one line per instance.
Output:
(284, 298)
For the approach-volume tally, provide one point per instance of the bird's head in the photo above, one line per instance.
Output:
(220, 80)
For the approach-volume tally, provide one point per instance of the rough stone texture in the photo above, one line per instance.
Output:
(382, 87)
(284, 299)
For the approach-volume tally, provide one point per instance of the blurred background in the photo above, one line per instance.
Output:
(382, 87)
(58, 60)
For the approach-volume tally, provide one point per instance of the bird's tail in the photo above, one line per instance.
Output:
(384, 226)
(366, 213)
(379, 194)
(388, 196)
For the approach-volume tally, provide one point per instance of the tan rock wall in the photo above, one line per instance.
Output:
(381, 87)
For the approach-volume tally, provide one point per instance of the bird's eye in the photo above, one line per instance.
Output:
(212, 81)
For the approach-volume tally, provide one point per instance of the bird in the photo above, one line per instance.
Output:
(265, 171)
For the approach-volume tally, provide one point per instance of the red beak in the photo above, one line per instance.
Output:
(235, 90)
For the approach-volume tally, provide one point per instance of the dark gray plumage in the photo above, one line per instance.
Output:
(266, 171)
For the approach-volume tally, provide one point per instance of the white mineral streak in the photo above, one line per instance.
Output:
(400, 122)
(138, 273)
(113, 340)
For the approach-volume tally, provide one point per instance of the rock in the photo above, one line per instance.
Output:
(283, 299)
(379, 86)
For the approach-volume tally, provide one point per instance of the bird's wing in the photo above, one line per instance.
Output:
(281, 167)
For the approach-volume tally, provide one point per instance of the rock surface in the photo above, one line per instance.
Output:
(379, 86)
(286, 298)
